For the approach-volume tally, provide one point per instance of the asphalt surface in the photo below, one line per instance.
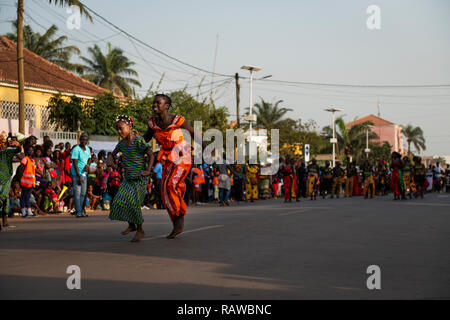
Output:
(266, 250)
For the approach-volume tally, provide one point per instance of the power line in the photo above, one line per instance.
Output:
(197, 86)
(279, 82)
(357, 85)
(152, 48)
(96, 39)
(92, 36)
(141, 57)
(356, 93)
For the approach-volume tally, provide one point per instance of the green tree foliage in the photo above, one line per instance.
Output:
(140, 110)
(101, 115)
(111, 71)
(65, 113)
(269, 115)
(351, 141)
(64, 3)
(211, 116)
(414, 136)
(48, 45)
(297, 132)
(97, 116)
(380, 152)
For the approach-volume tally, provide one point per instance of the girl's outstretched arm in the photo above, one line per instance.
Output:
(150, 160)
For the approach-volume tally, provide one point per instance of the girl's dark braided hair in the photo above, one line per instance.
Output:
(125, 119)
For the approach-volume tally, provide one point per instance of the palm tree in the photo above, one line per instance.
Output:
(414, 135)
(269, 115)
(351, 141)
(47, 46)
(20, 60)
(64, 3)
(111, 71)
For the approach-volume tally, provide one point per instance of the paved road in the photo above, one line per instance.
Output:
(266, 250)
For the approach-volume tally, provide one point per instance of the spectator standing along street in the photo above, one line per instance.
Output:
(80, 160)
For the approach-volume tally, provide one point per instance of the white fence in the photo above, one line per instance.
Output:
(58, 137)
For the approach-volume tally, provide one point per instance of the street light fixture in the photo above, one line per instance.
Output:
(265, 77)
(334, 140)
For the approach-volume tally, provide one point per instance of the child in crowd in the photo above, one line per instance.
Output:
(93, 199)
(52, 197)
(14, 198)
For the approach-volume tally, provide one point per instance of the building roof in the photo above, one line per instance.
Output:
(41, 73)
(377, 121)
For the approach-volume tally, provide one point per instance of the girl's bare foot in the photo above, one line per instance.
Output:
(177, 227)
(171, 235)
(138, 236)
(174, 233)
(128, 230)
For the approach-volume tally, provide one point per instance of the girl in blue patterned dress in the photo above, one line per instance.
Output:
(126, 205)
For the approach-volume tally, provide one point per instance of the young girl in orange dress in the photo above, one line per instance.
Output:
(175, 156)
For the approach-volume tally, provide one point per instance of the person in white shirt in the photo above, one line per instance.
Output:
(438, 178)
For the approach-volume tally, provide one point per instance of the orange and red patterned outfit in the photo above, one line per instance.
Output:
(175, 156)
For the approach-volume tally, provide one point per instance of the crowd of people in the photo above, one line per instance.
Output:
(62, 178)
(57, 170)
(403, 177)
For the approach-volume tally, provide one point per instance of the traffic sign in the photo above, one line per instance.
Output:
(307, 152)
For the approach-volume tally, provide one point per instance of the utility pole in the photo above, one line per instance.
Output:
(214, 69)
(367, 151)
(20, 70)
(238, 100)
(378, 107)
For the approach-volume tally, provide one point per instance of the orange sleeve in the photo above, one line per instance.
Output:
(180, 121)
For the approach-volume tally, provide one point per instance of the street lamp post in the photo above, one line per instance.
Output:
(251, 118)
(334, 140)
(367, 151)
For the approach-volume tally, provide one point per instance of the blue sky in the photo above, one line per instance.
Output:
(320, 41)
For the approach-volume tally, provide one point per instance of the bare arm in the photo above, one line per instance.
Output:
(148, 135)
(150, 160)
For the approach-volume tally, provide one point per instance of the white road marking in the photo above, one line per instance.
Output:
(188, 231)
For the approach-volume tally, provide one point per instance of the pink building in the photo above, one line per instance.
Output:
(386, 131)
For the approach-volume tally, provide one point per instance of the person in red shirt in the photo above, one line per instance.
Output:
(114, 180)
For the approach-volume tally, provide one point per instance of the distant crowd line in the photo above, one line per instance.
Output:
(48, 180)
